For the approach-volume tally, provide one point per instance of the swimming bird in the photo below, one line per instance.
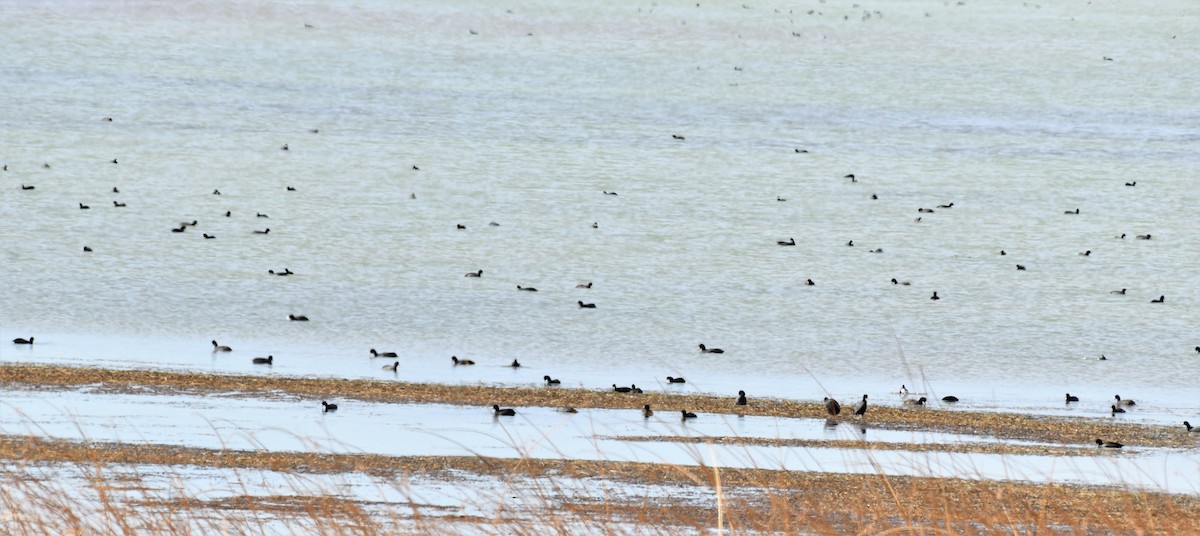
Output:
(677, 136)
(458, 361)
(778, 198)
(707, 350)
(800, 151)
(1087, 253)
(595, 225)
(1002, 252)
(606, 192)
(1122, 291)
(789, 242)
(474, 274)
(263, 360)
(1076, 211)
(83, 206)
(216, 192)
(1125, 402)
(917, 402)
(1160, 299)
(851, 177)
(1134, 183)
(87, 249)
(1021, 267)
(493, 224)
(260, 215)
(1121, 236)
(1108, 444)
(687, 415)
(1190, 428)
(741, 399)
(107, 120)
(328, 407)
(291, 188)
(950, 398)
(507, 412)
(189, 224)
(220, 348)
(809, 283)
(526, 289)
(1072, 398)
(383, 354)
(586, 305)
(949, 205)
(264, 231)
(285, 272)
(925, 210)
(114, 160)
(20, 340)
(862, 407)
(647, 412)
(1102, 358)
(115, 190)
(1143, 237)
(935, 296)
(850, 243)
(284, 148)
(551, 381)
(567, 409)
(228, 213)
(584, 285)
(392, 367)
(118, 204)
(1198, 349)
(460, 226)
(515, 364)
(25, 187)
(832, 407)
(208, 236)
(903, 390)
(877, 250)
(415, 168)
(675, 380)
(1116, 410)
(622, 389)
(298, 318)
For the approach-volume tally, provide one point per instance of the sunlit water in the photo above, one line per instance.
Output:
(524, 113)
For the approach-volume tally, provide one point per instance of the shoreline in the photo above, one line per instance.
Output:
(1077, 431)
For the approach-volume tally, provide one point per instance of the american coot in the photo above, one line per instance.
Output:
(708, 350)
(862, 407)
(687, 414)
(675, 380)
(328, 407)
(1108, 444)
(458, 361)
(741, 399)
(551, 381)
(383, 354)
(832, 406)
(508, 412)
(1116, 410)
(1072, 398)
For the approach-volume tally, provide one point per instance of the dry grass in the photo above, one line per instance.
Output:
(749, 500)
(1065, 430)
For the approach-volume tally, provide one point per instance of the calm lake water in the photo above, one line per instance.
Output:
(524, 113)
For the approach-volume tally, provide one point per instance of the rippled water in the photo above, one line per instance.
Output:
(523, 114)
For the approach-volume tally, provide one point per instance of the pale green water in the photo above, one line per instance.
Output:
(1007, 110)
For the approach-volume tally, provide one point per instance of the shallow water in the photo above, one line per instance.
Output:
(417, 430)
(1008, 111)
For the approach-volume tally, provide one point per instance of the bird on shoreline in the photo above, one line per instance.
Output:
(741, 399)
(328, 407)
(220, 348)
(624, 389)
(458, 361)
(707, 350)
(1190, 428)
(1100, 443)
(506, 412)
(20, 340)
(832, 407)
(862, 407)
(383, 354)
